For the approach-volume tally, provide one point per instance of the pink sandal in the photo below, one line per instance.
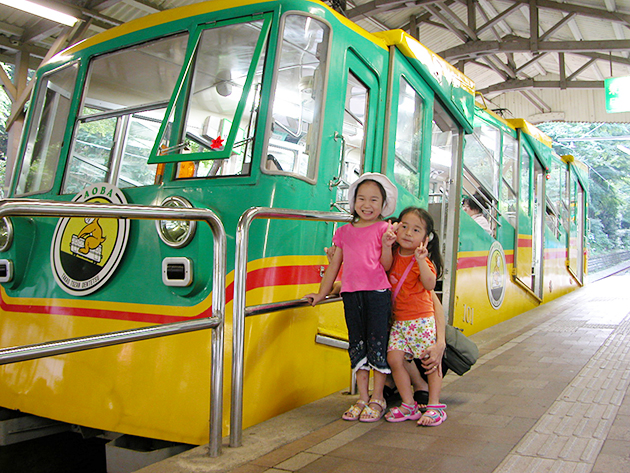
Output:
(396, 414)
(436, 413)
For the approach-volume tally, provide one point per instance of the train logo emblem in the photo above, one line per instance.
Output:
(85, 252)
(496, 275)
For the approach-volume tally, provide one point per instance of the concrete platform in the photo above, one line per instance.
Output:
(548, 394)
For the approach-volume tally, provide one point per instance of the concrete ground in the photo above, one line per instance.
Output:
(548, 394)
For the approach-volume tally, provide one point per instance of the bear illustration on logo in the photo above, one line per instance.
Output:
(86, 251)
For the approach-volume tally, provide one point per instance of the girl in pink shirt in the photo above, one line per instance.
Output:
(365, 288)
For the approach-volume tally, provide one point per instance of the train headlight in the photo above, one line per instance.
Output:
(176, 233)
(6, 234)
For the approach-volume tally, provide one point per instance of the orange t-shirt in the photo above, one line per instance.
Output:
(413, 301)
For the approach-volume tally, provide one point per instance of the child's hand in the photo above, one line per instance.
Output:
(421, 252)
(314, 298)
(389, 237)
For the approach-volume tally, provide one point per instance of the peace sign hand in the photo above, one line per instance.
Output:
(389, 237)
(421, 252)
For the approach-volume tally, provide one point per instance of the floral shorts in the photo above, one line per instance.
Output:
(412, 337)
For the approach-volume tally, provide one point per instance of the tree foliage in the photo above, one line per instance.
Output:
(608, 159)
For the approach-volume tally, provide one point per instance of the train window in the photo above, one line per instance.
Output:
(552, 221)
(553, 192)
(444, 149)
(124, 103)
(565, 198)
(222, 68)
(298, 97)
(475, 196)
(481, 156)
(509, 179)
(408, 138)
(354, 131)
(524, 198)
(48, 123)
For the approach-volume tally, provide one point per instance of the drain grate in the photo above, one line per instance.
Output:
(602, 326)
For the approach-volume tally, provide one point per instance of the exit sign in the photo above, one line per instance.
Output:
(617, 94)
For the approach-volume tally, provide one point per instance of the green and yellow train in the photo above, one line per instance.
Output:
(229, 105)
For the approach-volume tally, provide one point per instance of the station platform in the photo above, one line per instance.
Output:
(548, 394)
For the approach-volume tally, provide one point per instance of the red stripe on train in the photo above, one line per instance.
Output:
(478, 261)
(263, 277)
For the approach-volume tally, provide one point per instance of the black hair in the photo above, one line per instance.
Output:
(433, 246)
(356, 191)
(472, 202)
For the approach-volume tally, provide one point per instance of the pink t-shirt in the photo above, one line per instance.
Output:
(362, 268)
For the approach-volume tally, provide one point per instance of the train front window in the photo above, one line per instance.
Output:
(45, 136)
(124, 103)
(223, 101)
(298, 97)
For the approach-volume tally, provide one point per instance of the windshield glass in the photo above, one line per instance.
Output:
(45, 136)
(215, 137)
(123, 106)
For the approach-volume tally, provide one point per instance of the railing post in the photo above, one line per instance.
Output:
(33, 208)
(239, 307)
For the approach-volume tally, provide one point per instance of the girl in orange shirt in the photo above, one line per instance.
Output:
(413, 274)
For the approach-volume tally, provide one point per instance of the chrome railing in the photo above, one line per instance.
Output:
(32, 208)
(240, 309)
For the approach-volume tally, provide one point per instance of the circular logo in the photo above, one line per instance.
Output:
(85, 252)
(496, 275)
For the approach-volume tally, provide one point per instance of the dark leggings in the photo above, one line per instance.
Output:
(367, 318)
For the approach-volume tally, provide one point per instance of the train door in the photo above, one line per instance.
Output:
(576, 228)
(538, 189)
(425, 165)
(444, 195)
(357, 131)
(528, 257)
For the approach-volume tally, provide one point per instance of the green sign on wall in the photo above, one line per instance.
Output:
(617, 94)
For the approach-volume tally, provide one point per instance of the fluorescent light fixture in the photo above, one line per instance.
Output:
(44, 12)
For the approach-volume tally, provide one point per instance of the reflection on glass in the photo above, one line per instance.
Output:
(298, 97)
(123, 105)
(408, 138)
(45, 136)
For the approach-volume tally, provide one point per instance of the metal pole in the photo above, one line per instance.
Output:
(33, 208)
(217, 343)
(240, 279)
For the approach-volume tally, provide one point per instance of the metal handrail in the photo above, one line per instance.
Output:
(239, 313)
(278, 306)
(32, 208)
(483, 208)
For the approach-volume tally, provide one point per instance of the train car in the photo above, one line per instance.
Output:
(535, 204)
(229, 106)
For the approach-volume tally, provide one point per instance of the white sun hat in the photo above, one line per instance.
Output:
(391, 192)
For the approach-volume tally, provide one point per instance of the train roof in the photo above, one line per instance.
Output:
(456, 90)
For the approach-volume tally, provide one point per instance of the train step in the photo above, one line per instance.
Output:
(18, 427)
(129, 453)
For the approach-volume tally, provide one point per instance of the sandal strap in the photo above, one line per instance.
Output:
(411, 410)
(433, 415)
(357, 406)
(410, 407)
(379, 402)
